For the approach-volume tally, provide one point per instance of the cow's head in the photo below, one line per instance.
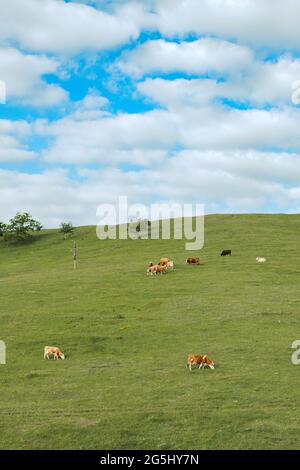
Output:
(209, 362)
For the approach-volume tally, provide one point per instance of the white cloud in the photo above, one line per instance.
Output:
(60, 27)
(262, 83)
(13, 137)
(215, 127)
(23, 73)
(231, 181)
(270, 82)
(178, 93)
(266, 23)
(66, 28)
(111, 139)
(201, 56)
(107, 136)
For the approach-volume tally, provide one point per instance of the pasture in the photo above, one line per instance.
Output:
(126, 336)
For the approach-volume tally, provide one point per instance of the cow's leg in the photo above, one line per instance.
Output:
(190, 367)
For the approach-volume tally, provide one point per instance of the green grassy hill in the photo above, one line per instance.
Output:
(124, 384)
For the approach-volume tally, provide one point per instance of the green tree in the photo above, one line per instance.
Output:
(2, 229)
(67, 229)
(21, 227)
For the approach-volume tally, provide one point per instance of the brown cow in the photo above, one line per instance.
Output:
(166, 262)
(160, 269)
(54, 351)
(156, 269)
(193, 260)
(151, 270)
(202, 361)
(163, 261)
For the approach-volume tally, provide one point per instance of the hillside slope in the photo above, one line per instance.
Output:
(124, 384)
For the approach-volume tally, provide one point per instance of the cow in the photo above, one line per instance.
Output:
(260, 259)
(168, 263)
(200, 360)
(156, 269)
(151, 270)
(160, 269)
(226, 253)
(193, 260)
(54, 351)
(163, 261)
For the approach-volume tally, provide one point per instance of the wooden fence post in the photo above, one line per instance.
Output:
(74, 255)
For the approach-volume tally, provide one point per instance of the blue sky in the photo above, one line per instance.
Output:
(162, 101)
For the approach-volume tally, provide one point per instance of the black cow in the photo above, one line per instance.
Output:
(226, 253)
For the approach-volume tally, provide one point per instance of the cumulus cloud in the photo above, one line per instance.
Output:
(59, 27)
(98, 140)
(13, 141)
(232, 181)
(263, 83)
(267, 23)
(108, 138)
(23, 73)
(201, 56)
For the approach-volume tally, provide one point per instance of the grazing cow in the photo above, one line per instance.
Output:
(226, 253)
(160, 269)
(202, 361)
(54, 351)
(168, 263)
(156, 269)
(163, 261)
(193, 260)
(260, 259)
(151, 270)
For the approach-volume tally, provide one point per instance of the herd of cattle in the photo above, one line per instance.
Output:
(161, 268)
(165, 263)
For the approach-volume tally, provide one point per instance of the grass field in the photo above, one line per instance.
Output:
(124, 384)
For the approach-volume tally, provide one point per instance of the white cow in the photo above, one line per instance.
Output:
(260, 259)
